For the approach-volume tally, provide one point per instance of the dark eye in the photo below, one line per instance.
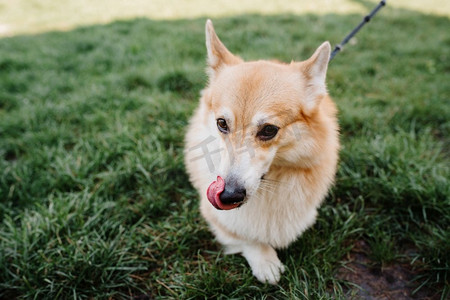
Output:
(268, 132)
(222, 125)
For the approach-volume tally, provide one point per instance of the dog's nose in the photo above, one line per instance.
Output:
(232, 195)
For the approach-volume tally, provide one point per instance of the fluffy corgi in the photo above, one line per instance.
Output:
(262, 150)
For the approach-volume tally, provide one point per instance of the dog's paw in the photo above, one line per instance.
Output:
(268, 271)
(263, 260)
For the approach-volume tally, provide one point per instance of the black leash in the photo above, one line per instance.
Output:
(357, 28)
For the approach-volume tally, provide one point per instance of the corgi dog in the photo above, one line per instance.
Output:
(262, 150)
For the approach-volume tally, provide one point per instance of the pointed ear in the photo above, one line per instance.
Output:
(315, 71)
(218, 54)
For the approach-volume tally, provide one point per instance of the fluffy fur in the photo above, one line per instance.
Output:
(287, 177)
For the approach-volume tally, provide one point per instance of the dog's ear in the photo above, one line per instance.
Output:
(315, 70)
(218, 54)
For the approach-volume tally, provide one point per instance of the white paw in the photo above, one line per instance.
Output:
(268, 271)
(263, 260)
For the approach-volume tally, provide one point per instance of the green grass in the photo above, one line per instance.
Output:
(33, 16)
(94, 200)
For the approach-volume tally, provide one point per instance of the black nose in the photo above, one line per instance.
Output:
(232, 195)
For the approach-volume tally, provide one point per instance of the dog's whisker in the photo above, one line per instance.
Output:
(268, 184)
(286, 185)
(267, 189)
(274, 181)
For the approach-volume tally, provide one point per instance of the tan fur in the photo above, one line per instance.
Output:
(298, 164)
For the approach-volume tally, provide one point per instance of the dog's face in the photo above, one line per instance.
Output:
(265, 114)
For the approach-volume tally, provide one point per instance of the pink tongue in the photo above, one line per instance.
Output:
(213, 194)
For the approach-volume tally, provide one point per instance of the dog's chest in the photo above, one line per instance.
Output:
(277, 217)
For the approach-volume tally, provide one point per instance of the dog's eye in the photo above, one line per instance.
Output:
(268, 132)
(222, 125)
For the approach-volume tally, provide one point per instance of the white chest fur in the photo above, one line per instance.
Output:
(277, 216)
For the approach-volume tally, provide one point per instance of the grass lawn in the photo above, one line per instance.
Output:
(94, 199)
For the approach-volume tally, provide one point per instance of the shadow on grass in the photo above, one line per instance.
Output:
(94, 200)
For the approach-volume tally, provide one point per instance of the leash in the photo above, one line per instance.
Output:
(357, 28)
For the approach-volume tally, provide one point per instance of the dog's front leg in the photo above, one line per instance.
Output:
(263, 260)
